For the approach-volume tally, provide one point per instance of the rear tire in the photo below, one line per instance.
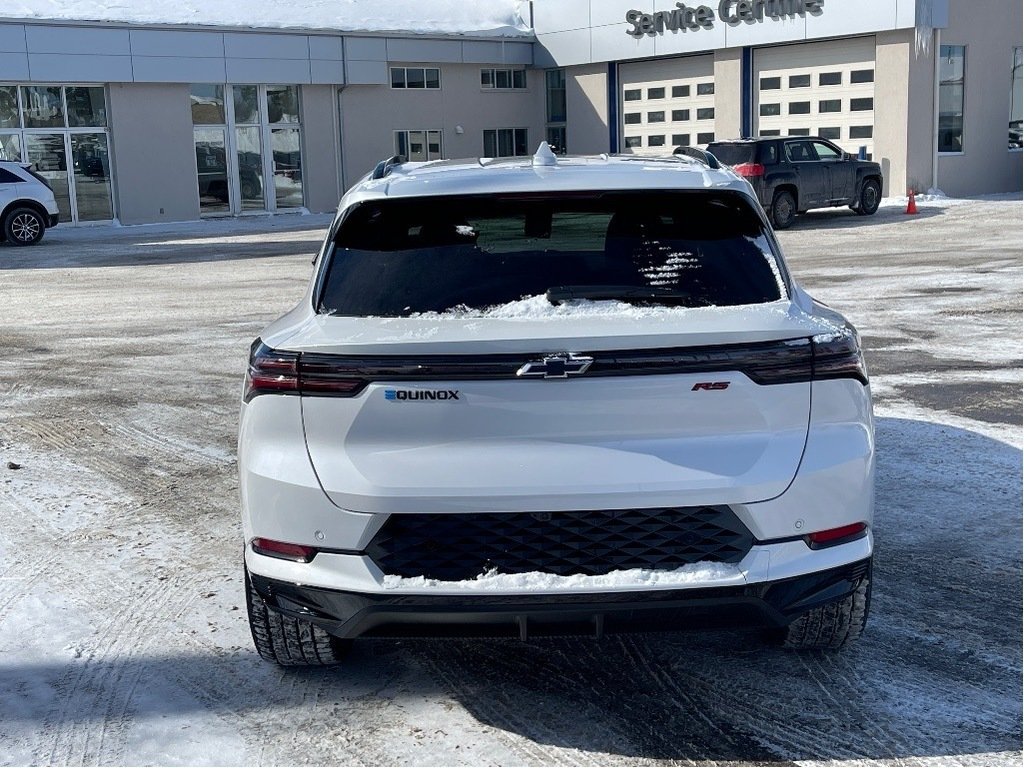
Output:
(831, 626)
(23, 226)
(870, 198)
(287, 641)
(783, 210)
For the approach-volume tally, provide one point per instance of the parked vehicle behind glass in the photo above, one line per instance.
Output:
(27, 204)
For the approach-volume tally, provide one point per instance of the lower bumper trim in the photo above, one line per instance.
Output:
(355, 614)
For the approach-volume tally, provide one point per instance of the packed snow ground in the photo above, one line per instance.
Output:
(123, 637)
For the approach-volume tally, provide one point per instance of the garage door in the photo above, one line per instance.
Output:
(667, 103)
(817, 89)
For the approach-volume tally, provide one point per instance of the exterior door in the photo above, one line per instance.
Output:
(812, 175)
(48, 154)
(91, 181)
(821, 89)
(248, 148)
(667, 103)
(212, 171)
(840, 172)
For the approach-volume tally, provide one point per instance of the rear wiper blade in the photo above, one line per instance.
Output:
(562, 293)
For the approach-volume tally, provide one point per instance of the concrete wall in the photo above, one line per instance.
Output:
(990, 29)
(729, 93)
(370, 114)
(153, 156)
(321, 156)
(586, 104)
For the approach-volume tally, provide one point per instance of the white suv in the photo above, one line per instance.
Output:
(27, 205)
(554, 396)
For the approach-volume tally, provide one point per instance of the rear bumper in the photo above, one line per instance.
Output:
(765, 604)
(52, 219)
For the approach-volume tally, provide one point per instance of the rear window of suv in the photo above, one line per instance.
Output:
(734, 154)
(401, 257)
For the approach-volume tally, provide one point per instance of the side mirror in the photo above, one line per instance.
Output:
(847, 157)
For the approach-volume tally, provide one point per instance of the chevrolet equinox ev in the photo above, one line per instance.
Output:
(547, 396)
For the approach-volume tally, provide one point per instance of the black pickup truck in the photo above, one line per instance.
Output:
(793, 174)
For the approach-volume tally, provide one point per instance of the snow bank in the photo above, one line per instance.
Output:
(497, 18)
(492, 581)
(936, 198)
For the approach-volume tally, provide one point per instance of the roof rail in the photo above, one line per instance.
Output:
(384, 166)
(699, 154)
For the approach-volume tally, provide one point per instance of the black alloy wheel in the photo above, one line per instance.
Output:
(23, 226)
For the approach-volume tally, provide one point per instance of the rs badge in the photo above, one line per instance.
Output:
(710, 385)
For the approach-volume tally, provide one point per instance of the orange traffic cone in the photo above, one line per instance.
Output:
(911, 203)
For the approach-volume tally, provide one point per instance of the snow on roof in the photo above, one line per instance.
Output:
(484, 18)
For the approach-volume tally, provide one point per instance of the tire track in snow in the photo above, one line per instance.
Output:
(105, 682)
(90, 715)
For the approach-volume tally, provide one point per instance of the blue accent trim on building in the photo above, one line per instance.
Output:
(613, 107)
(747, 91)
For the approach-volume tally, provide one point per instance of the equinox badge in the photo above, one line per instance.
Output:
(556, 367)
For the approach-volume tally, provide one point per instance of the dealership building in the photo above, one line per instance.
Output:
(136, 117)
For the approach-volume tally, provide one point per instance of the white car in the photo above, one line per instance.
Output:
(27, 205)
(535, 396)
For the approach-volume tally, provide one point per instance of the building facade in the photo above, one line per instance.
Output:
(145, 122)
(931, 89)
(144, 125)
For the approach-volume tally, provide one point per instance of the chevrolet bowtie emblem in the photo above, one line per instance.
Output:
(556, 367)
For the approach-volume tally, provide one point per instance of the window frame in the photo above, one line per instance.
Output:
(497, 141)
(963, 104)
(1016, 95)
(405, 78)
(426, 141)
(511, 75)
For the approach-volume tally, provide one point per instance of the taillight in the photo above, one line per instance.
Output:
(833, 536)
(749, 169)
(838, 356)
(284, 551)
(272, 372)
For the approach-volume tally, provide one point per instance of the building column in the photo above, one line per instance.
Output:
(728, 93)
(586, 109)
(904, 112)
(153, 153)
(321, 159)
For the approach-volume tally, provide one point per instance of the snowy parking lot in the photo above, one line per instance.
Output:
(123, 637)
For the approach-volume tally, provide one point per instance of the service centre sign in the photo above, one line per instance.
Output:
(685, 18)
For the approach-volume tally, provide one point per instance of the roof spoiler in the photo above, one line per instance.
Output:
(699, 154)
(384, 167)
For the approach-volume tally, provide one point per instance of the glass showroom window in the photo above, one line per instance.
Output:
(62, 131)
(1016, 93)
(245, 135)
(505, 142)
(554, 86)
(418, 146)
(952, 78)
